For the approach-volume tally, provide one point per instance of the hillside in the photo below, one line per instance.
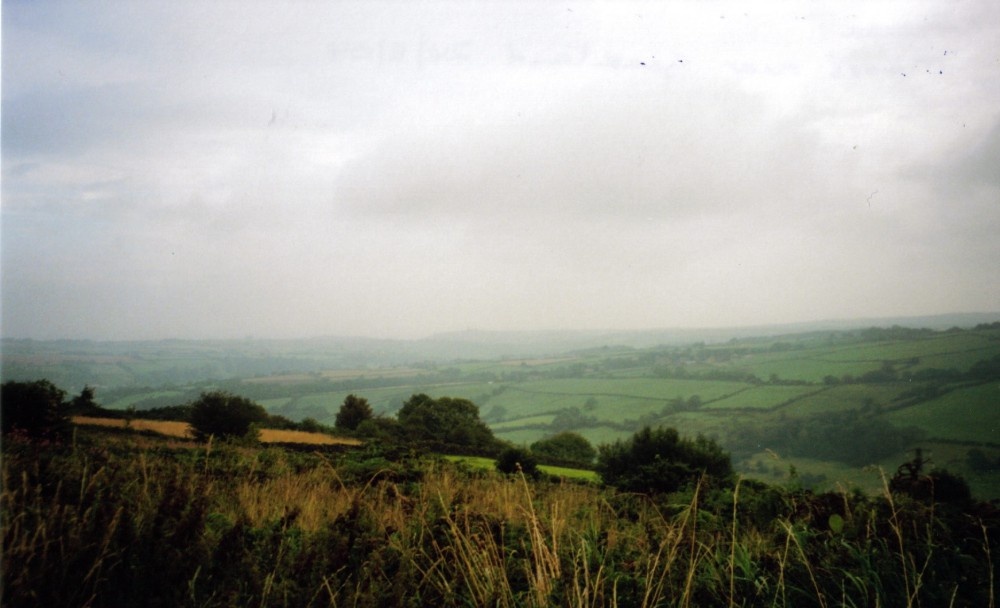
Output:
(116, 364)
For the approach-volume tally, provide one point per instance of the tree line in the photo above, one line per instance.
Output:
(654, 460)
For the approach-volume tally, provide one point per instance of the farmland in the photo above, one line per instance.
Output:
(900, 388)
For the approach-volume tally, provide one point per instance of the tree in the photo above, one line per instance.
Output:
(571, 418)
(977, 460)
(659, 460)
(353, 412)
(939, 485)
(445, 422)
(34, 408)
(84, 404)
(225, 415)
(514, 459)
(566, 447)
(384, 430)
(311, 425)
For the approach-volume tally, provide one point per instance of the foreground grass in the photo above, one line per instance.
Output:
(104, 522)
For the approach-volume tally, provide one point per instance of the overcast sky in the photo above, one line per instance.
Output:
(280, 169)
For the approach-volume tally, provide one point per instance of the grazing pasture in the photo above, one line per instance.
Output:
(970, 414)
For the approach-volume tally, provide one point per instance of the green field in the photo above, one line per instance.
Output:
(611, 400)
(969, 415)
(805, 366)
(523, 437)
(946, 345)
(846, 397)
(762, 397)
(543, 420)
(488, 464)
(125, 402)
(383, 400)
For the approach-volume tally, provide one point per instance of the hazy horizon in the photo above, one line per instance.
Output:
(192, 170)
(680, 335)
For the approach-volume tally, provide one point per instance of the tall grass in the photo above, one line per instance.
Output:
(110, 522)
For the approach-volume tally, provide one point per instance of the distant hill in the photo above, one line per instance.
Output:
(533, 343)
(107, 364)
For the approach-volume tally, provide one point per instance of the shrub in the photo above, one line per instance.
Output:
(565, 448)
(445, 423)
(34, 408)
(938, 485)
(659, 460)
(85, 405)
(977, 460)
(514, 459)
(353, 412)
(225, 415)
(381, 428)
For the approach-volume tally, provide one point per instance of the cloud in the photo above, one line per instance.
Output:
(191, 169)
(973, 165)
(660, 150)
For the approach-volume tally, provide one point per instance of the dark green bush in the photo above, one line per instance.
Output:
(353, 412)
(565, 448)
(446, 424)
(225, 415)
(35, 409)
(659, 460)
(514, 459)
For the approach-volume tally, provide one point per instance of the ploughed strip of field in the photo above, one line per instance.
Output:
(173, 428)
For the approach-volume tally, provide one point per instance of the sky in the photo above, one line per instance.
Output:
(395, 169)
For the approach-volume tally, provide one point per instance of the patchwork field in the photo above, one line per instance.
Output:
(911, 387)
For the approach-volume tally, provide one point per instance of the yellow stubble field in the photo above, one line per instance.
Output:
(182, 430)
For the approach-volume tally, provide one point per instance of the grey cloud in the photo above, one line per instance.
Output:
(977, 165)
(214, 169)
(67, 122)
(658, 152)
(961, 194)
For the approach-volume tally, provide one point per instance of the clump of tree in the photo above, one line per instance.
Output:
(914, 479)
(445, 424)
(566, 448)
(35, 409)
(85, 404)
(353, 412)
(226, 416)
(571, 418)
(852, 437)
(978, 462)
(517, 460)
(382, 429)
(660, 460)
